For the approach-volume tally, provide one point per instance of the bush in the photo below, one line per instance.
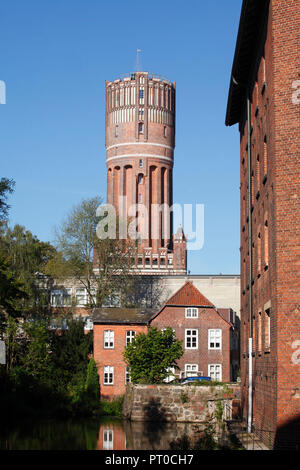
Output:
(112, 408)
(150, 356)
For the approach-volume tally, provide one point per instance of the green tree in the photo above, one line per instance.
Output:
(92, 380)
(36, 360)
(70, 353)
(11, 292)
(6, 188)
(102, 266)
(26, 257)
(149, 356)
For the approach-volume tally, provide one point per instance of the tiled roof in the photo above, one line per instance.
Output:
(190, 296)
(112, 315)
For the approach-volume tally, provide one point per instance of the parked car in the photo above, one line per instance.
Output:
(189, 380)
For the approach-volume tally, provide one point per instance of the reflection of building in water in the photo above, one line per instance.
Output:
(126, 435)
(111, 436)
(108, 439)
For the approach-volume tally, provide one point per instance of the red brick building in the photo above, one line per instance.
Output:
(113, 329)
(209, 338)
(264, 99)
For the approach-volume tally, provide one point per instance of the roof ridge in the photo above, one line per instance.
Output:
(180, 297)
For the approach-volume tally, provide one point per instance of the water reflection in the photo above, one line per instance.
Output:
(108, 434)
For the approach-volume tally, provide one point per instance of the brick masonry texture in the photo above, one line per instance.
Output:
(173, 316)
(276, 229)
(140, 142)
(202, 356)
(112, 357)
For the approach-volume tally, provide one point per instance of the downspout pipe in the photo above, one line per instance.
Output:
(250, 242)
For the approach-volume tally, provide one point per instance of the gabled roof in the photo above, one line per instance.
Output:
(120, 316)
(189, 295)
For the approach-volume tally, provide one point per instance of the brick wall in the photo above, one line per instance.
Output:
(276, 227)
(112, 357)
(149, 153)
(174, 317)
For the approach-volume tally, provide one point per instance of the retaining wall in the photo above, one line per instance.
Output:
(181, 403)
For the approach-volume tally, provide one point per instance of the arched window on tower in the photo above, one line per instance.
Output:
(140, 178)
(141, 128)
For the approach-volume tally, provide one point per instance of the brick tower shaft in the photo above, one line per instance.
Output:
(140, 141)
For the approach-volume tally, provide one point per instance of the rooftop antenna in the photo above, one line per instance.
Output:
(138, 65)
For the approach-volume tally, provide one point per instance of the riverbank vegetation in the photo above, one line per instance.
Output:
(44, 372)
(52, 374)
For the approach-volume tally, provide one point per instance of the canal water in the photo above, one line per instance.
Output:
(106, 434)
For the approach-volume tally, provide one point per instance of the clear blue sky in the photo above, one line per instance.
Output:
(55, 57)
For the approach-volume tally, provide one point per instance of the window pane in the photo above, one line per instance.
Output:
(108, 339)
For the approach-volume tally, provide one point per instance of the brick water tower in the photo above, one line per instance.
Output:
(140, 141)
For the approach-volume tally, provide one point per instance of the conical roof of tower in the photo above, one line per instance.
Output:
(180, 233)
(189, 295)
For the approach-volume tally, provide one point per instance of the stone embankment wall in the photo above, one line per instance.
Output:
(181, 403)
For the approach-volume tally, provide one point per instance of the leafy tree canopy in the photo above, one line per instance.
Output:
(70, 351)
(26, 257)
(149, 356)
(102, 266)
(6, 188)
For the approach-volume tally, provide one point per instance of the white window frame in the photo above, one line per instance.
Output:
(191, 370)
(88, 324)
(130, 335)
(108, 439)
(61, 295)
(191, 336)
(212, 375)
(191, 312)
(212, 339)
(109, 338)
(82, 295)
(108, 375)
